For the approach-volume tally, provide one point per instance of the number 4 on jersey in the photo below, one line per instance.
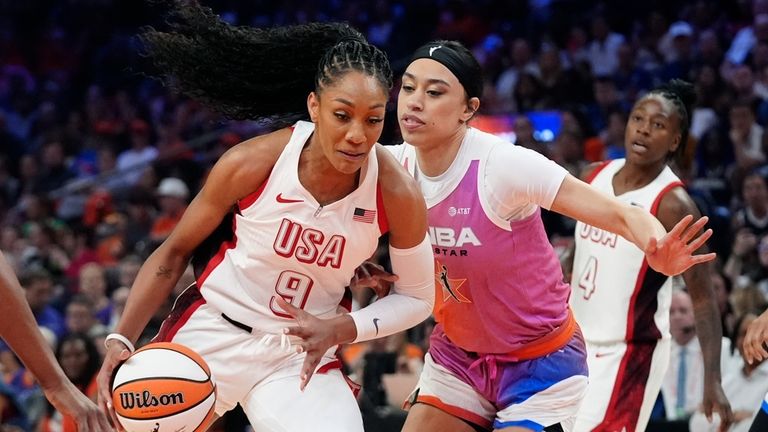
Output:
(588, 277)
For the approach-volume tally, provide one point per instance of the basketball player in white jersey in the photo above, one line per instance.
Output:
(620, 303)
(310, 203)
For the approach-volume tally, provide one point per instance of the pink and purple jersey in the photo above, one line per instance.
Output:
(499, 282)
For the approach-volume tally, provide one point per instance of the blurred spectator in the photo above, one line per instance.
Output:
(677, 49)
(745, 386)
(603, 50)
(683, 385)
(631, 80)
(81, 316)
(128, 268)
(524, 135)
(93, 285)
(119, 298)
(568, 151)
(747, 38)
(38, 289)
(521, 60)
(80, 361)
(132, 161)
(173, 195)
(55, 173)
(140, 216)
(746, 136)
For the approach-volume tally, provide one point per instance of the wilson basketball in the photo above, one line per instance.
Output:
(164, 387)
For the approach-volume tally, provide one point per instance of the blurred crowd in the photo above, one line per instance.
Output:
(98, 161)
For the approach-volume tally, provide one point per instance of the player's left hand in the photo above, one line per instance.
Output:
(673, 253)
(317, 335)
(373, 276)
(715, 401)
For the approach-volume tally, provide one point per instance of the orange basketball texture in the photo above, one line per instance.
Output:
(164, 386)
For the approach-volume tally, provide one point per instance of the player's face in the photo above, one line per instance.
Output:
(653, 131)
(431, 104)
(349, 118)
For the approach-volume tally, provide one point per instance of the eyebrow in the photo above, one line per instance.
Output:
(429, 81)
(350, 104)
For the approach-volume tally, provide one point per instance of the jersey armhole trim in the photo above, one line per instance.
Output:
(667, 188)
(596, 171)
(251, 198)
(380, 211)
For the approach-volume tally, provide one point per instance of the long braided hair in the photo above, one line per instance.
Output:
(257, 73)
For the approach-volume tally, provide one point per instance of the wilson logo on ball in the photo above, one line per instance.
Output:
(164, 387)
(146, 399)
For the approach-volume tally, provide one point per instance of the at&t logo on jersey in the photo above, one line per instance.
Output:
(453, 211)
(308, 245)
(597, 235)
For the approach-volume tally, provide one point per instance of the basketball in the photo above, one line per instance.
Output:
(164, 387)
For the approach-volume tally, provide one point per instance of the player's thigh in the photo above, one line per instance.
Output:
(427, 418)
(326, 405)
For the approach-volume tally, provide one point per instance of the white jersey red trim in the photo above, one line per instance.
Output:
(286, 243)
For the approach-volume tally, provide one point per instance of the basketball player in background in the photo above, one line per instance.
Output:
(622, 304)
(756, 349)
(506, 353)
(19, 329)
(310, 203)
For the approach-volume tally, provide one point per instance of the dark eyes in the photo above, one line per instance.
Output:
(409, 88)
(342, 116)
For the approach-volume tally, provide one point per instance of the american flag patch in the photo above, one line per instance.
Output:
(363, 215)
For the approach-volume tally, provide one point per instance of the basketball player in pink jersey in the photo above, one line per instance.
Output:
(19, 329)
(620, 303)
(506, 353)
(310, 203)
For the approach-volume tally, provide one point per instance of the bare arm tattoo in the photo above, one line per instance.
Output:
(163, 272)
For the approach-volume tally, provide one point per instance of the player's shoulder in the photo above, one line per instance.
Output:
(394, 180)
(590, 171)
(257, 153)
(249, 163)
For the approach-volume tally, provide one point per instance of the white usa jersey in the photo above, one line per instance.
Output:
(615, 295)
(283, 242)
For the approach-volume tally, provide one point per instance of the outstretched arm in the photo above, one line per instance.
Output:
(668, 253)
(19, 329)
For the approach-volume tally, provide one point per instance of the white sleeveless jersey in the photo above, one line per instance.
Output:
(285, 243)
(615, 295)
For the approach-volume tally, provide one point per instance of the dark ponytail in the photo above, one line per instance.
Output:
(256, 73)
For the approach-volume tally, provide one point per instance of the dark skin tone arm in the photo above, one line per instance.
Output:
(19, 329)
(674, 206)
(238, 173)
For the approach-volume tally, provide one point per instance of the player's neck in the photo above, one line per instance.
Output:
(632, 176)
(435, 159)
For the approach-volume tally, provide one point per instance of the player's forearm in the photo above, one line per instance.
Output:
(708, 327)
(641, 226)
(19, 329)
(154, 283)
(710, 334)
